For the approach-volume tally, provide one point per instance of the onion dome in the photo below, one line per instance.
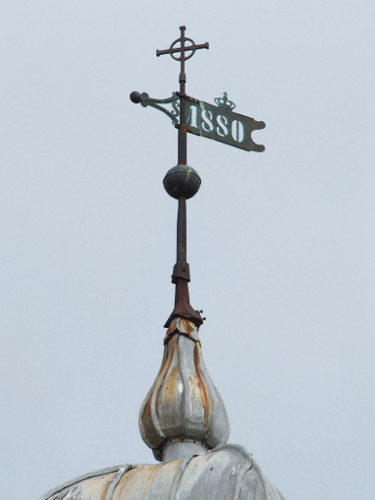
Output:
(183, 413)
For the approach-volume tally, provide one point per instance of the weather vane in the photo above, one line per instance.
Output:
(198, 117)
(182, 182)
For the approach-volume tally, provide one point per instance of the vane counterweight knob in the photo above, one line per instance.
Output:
(182, 181)
(135, 97)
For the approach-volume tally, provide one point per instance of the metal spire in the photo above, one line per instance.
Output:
(183, 412)
(181, 182)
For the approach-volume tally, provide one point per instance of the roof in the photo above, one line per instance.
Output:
(229, 472)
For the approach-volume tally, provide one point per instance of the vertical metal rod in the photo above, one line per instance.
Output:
(182, 67)
(182, 134)
(181, 230)
(181, 275)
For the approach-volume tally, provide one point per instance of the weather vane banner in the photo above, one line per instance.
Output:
(221, 124)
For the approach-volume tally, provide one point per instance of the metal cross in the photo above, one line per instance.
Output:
(182, 49)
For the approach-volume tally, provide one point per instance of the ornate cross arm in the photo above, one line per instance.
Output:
(145, 100)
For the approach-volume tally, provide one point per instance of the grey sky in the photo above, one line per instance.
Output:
(281, 244)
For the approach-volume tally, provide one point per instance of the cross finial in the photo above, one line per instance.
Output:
(186, 51)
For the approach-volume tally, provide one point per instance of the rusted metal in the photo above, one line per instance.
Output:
(219, 123)
(229, 472)
(203, 391)
(182, 182)
(116, 480)
(180, 325)
(183, 404)
(182, 307)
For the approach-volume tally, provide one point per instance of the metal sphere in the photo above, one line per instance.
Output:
(182, 181)
(135, 97)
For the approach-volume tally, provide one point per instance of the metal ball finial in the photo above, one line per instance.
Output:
(182, 181)
(135, 97)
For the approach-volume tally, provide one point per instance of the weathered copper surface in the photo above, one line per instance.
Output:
(221, 123)
(228, 473)
(183, 404)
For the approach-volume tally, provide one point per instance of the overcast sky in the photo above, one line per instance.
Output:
(280, 244)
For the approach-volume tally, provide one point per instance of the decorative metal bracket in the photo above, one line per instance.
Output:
(145, 101)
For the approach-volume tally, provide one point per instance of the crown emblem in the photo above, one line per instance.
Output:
(224, 102)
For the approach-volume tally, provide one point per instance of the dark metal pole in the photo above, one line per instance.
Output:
(182, 133)
(182, 182)
(182, 155)
(181, 230)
